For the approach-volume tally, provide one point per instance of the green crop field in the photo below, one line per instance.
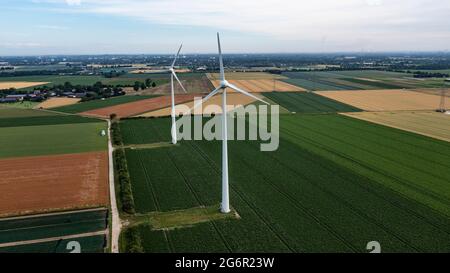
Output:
(44, 120)
(23, 104)
(52, 139)
(379, 85)
(357, 80)
(9, 112)
(161, 76)
(53, 226)
(96, 104)
(308, 103)
(333, 185)
(142, 131)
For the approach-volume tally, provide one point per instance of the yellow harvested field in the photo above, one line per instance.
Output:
(57, 102)
(432, 91)
(18, 85)
(432, 124)
(213, 105)
(386, 100)
(259, 86)
(246, 76)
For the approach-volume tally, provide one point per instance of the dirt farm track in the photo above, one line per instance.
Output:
(50, 183)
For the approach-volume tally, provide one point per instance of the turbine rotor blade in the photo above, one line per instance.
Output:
(176, 56)
(205, 99)
(222, 72)
(246, 93)
(178, 80)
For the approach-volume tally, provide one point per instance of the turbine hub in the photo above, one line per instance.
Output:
(224, 83)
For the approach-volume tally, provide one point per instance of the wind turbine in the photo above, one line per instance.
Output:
(174, 75)
(224, 84)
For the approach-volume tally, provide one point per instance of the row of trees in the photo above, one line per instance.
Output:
(123, 177)
(143, 85)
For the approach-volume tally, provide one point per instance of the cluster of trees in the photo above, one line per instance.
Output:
(143, 85)
(123, 177)
(133, 241)
(423, 74)
(113, 74)
(39, 72)
(90, 92)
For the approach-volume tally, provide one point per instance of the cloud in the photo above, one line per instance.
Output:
(52, 27)
(20, 45)
(287, 19)
(358, 23)
(73, 2)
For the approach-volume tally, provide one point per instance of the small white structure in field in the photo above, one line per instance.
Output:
(103, 133)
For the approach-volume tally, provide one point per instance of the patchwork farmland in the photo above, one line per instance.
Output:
(357, 80)
(213, 105)
(308, 103)
(333, 185)
(256, 82)
(54, 182)
(137, 107)
(386, 100)
(364, 159)
(98, 104)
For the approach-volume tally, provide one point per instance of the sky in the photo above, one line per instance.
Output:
(51, 27)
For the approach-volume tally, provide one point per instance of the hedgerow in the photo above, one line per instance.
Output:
(123, 178)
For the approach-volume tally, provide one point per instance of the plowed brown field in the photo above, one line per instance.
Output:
(50, 183)
(138, 107)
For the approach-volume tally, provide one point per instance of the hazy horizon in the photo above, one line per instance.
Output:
(119, 27)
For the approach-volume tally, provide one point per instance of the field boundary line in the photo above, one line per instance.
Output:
(51, 214)
(51, 239)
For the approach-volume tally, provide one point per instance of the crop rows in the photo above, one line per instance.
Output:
(399, 166)
(52, 226)
(92, 244)
(308, 103)
(44, 120)
(142, 131)
(298, 198)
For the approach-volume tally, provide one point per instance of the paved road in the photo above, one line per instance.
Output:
(115, 223)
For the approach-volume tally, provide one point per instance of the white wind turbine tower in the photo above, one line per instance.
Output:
(174, 75)
(224, 84)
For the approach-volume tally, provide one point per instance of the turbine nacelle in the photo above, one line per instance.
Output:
(224, 84)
